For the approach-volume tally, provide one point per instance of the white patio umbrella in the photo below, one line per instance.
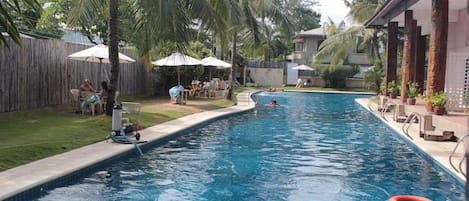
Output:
(177, 59)
(303, 67)
(99, 54)
(213, 61)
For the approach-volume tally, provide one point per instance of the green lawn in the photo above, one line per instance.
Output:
(30, 135)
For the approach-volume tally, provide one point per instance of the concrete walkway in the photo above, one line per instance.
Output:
(439, 151)
(34, 174)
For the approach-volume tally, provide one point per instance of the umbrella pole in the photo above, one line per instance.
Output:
(100, 72)
(179, 76)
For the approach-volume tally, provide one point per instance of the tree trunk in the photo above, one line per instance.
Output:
(113, 54)
(233, 67)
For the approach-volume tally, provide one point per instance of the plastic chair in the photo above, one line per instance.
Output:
(91, 101)
(104, 103)
(76, 97)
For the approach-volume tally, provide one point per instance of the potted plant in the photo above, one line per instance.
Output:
(382, 88)
(392, 89)
(412, 92)
(438, 101)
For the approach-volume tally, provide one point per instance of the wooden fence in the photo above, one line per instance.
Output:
(39, 74)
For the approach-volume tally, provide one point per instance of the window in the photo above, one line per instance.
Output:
(319, 44)
(299, 47)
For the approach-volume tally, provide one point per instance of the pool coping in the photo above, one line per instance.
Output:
(436, 152)
(39, 173)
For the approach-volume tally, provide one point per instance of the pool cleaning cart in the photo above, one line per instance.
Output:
(122, 129)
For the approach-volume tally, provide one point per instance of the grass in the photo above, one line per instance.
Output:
(26, 136)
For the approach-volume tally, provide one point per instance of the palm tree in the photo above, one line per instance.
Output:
(7, 23)
(341, 40)
(227, 19)
(167, 20)
(113, 54)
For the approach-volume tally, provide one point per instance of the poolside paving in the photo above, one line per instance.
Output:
(437, 150)
(30, 175)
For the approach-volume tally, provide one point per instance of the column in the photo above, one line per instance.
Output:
(420, 59)
(438, 47)
(406, 54)
(391, 53)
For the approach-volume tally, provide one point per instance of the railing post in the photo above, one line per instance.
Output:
(467, 175)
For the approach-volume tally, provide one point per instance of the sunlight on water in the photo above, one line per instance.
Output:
(312, 147)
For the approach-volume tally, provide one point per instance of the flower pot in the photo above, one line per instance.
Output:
(429, 107)
(411, 101)
(393, 95)
(439, 110)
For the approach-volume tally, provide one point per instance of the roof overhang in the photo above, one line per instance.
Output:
(393, 10)
(388, 11)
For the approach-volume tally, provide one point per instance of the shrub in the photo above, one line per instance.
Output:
(412, 89)
(438, 99)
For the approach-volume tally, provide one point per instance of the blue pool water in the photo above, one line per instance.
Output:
(312, 147)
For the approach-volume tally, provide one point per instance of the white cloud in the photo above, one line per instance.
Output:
(334, 9)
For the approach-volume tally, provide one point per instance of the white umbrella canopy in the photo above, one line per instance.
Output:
(98, 54)
(303, 67)
(177, 59)
(213, 61)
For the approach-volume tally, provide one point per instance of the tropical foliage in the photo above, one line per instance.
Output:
(261, 28)
(335, 77)
(342, 40)
(438, 99)
(412, 89)
(13, 14)
(392, 87)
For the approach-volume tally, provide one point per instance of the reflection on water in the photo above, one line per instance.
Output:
(311, 147)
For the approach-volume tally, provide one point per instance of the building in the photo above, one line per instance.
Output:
(306, 47)
(445, 24)
(307, 44)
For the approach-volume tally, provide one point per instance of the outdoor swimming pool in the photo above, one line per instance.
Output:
(314, 146)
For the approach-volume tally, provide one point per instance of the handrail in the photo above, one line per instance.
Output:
(386, 108)
(460, 164)
(408, 122)
(454, 151)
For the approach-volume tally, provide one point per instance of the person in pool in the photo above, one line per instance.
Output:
(274, 103)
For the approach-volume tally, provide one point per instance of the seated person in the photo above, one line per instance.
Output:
(222, 86)
(194, 87)
(274, 103)
(205, 88)
(86, 89)
(299, 83)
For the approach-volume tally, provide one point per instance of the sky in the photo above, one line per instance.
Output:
(335, 9)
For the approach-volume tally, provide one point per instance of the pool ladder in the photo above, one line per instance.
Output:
(387, 107)
(408, 122)
(459, 169)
